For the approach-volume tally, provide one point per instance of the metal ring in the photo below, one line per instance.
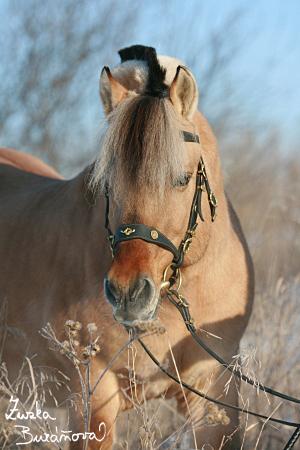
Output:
(178, 278)
(186, 245)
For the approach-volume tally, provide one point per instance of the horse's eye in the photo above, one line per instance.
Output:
(182, 180)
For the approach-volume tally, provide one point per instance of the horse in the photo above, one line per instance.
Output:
(57, 263)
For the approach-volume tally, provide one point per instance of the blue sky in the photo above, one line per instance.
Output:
(266, 72)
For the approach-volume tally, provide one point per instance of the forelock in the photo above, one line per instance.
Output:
(142, 148)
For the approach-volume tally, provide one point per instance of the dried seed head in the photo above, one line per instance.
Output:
(73, 325)
(212, 408)
(216, 415)
(86, 353)
(96, 348)
(73, 333)
(92, 328)
(77, 326)
(91, 350)
(210, 419)
(225, 420)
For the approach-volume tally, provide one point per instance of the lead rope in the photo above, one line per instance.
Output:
(213, 400)
(183, 306)
(294, 438)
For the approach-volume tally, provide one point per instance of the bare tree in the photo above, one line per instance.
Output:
(52, 54)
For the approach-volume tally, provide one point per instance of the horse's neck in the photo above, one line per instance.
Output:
(80, 221)
(59, 238)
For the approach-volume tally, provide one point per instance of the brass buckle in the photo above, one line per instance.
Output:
(213, 205)
(186, 245)
(181, 301)
(213, 199)
(202, 170)
(191, 233)
(201, 187)
(190, 322)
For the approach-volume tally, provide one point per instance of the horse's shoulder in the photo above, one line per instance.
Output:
(26, 162)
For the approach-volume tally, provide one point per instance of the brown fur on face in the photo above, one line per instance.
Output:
(130, 261)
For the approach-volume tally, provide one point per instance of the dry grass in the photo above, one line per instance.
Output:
(269, 354)
(273, 332)
(31, 388)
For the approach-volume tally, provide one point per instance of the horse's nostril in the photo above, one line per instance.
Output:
(137, 289)
(143, 289)
(111, 291)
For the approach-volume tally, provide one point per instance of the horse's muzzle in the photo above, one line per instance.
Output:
(135, 302)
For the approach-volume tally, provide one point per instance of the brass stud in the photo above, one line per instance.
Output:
(154, 234)
(128, 231)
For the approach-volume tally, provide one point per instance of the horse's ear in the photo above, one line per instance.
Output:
(111, 91)
(184, 92)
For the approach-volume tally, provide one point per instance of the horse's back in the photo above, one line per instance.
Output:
(27, 163)
(31, 207)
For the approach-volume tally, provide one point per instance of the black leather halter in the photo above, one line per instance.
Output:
(127, 232)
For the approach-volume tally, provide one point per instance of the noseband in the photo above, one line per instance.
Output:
(129, 231)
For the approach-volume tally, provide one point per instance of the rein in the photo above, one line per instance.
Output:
(127, 232)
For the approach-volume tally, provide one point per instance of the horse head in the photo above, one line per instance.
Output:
(149, 168)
